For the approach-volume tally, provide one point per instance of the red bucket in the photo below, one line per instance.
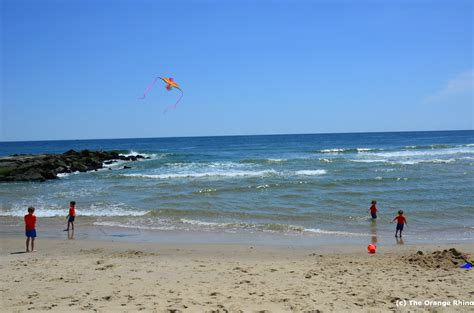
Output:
(371, 248)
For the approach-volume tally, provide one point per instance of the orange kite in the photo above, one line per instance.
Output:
(170, 84)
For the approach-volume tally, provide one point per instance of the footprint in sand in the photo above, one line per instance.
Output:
(105, 267)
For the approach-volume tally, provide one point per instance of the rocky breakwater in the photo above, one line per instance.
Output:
(26, 167)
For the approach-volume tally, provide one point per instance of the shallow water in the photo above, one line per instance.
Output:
(286, 184)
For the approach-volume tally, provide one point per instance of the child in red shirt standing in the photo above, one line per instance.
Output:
(401, 220)
(72, 215)
(30, 229)
(373, 209)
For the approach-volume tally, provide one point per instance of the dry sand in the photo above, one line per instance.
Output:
(80, 275)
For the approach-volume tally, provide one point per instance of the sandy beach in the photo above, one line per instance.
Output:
(110, 276)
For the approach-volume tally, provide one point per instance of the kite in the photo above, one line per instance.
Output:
(170, 84)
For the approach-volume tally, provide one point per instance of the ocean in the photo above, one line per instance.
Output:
(300, 186)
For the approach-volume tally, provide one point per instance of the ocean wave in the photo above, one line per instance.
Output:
(201, 223)
(370, 161)
(276, 160)
(423, 153)
(336, 150)
(263, 161)
(146, 155)
(435, 161)
(187, 224)
(174, 214)
(206, 215)
(207, 190)
(115, 164)
(62, 175)
(240, 189)
(132, 225)
(191, 166)
(333, 232)
(406, 161)
(311, 172)
(348, 150)
(227, 174)
(204, 174)
(263, 227)
(426, 147)
(92, 211)
(326, 160)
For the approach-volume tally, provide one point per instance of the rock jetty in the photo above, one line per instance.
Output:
(27, 167)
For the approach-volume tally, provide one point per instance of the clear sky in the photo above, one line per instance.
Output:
(74, 69)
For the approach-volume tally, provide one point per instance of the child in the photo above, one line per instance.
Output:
(373, 209)
(72, 215)
(30, 229)
(401, 220)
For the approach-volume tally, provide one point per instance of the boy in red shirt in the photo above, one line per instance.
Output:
(401, 220)
(373, 209)
(72, 215)
(30, 229)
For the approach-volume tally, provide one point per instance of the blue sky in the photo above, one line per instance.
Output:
(74, 69)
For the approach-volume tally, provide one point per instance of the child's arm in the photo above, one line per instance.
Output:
(393, 220)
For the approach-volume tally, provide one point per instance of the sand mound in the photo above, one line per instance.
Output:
(445, 259)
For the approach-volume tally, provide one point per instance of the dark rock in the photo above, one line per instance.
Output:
(70, 152)
(127, 167)
(50, 175)
(31, 175)
(47, 166)
(77, 166)
(85, 153)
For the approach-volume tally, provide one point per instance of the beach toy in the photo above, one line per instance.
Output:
(371, 248)
(467, 265)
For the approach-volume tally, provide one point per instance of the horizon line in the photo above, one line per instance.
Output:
(208, 136)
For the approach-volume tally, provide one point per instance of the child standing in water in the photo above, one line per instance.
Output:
(72, 215)
(401, 220)
(373, 209)
(30, 229)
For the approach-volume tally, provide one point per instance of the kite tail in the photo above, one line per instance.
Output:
(174, 105)
(149, 88)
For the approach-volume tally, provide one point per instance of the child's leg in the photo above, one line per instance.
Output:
(72, 223)
(68, 225)
(32, 244)
(27, 244)
(400, 233)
